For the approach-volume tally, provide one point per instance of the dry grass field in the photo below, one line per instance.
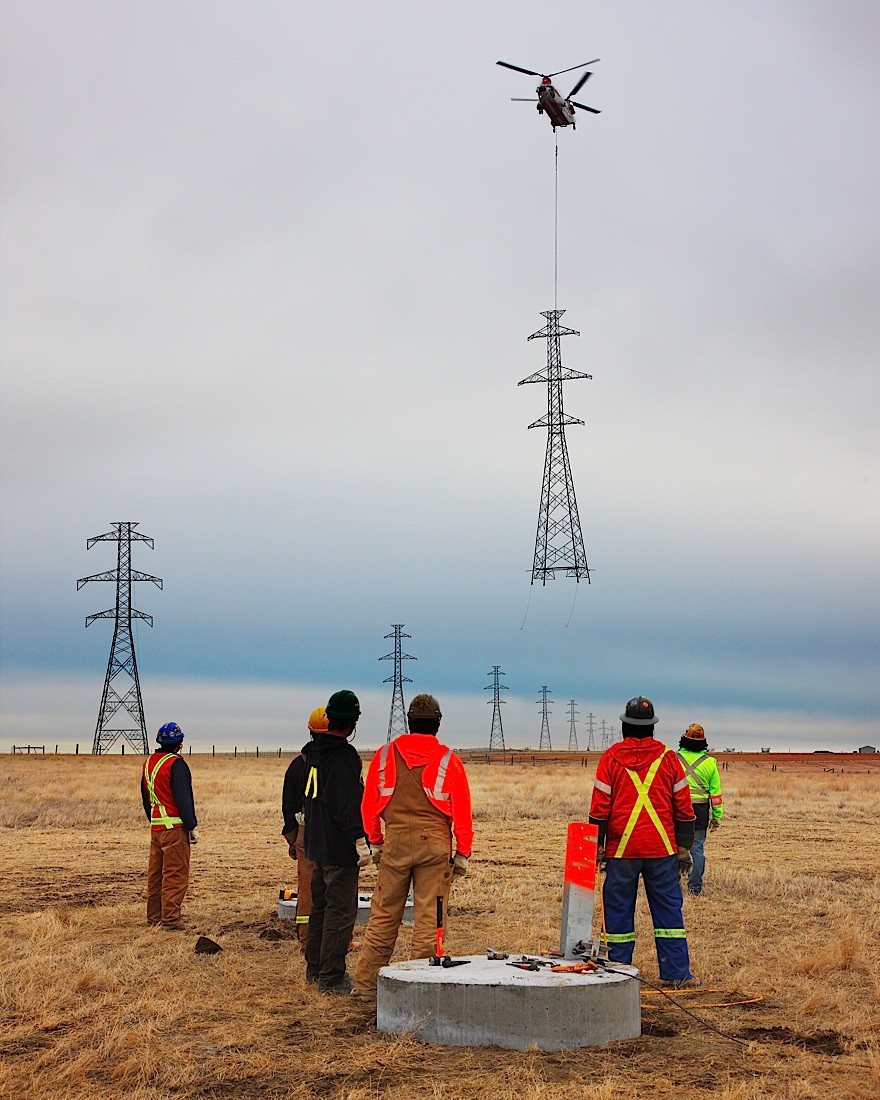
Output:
(95, 1005)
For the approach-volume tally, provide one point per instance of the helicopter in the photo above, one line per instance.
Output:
(559, 110)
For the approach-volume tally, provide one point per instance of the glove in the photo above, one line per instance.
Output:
(363, 852)
(377, 853)
(685, 862)
(300, 818)
(291, 843)
(194, 836)
(600, 856)
(460, 864)
(714, 823)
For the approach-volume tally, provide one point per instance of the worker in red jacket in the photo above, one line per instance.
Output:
(642, 805)
(416, 799)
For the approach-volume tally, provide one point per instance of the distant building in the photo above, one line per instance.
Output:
(765, 750)
(867, 748)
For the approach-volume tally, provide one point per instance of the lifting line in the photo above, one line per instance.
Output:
(555, 219)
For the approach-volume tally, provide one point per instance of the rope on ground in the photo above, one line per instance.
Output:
(749, 998)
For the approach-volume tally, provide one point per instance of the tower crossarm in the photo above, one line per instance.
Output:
(113, 575)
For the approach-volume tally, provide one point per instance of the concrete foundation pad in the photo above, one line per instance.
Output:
(488, 1003)
(287, 909)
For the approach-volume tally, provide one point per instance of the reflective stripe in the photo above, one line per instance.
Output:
(621, 937)
(680, 785)
(690, 770)
(163, 817)
(643, 802)
(670, 934)
(437, 793)
(383, 756)
(302, 920)
(312, 783)
(603, 787)
(716, 800)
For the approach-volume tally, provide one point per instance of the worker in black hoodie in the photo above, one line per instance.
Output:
(334, 841)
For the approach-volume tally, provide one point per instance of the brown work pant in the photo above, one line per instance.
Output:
(421, 854)
(304, 870)
(167, 875)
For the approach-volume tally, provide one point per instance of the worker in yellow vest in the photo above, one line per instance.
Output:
(167, 796)
(701, 771)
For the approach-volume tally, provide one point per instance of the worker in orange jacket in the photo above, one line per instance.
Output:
(416, 799)
(642, 806)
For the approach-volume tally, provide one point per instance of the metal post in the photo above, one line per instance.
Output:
(580, 883)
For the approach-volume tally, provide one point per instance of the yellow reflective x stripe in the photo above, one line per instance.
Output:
(162, 818)
(643, 802)
(312, 783)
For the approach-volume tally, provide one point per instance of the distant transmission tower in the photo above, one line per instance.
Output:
(397, 719)
(496, 735)
(572, 731)
(591, 740)
(545, 725)
(559, 544)
(606, 737)
(121, 701)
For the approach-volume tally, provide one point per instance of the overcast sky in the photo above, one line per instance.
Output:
(268, 271)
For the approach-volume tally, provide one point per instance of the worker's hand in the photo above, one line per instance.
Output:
(459, 864)
(600, 856)
(300, 818)
(363, 852)
(714, 823)
(194, 836)
(377, 854)
(685, 862)
(291, 843)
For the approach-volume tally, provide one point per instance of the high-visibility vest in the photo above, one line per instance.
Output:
(158, 800)
(435, 793)
(643, 802)
(700, 793)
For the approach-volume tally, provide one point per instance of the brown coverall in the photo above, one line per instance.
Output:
(304, 868)
(417, 848)
(167, 875)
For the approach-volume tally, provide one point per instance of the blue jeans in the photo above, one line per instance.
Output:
(660, 877)
(695, 878)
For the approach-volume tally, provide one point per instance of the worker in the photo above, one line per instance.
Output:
(167, 795)
(334, 841)
(294, 831)
(416, 798)
(701, 771)
(642, 805)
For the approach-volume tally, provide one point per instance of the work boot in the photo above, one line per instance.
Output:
(311, 976)
(682, 983)
(182, 925)
(343, 986)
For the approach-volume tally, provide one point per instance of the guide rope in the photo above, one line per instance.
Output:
(556, 221)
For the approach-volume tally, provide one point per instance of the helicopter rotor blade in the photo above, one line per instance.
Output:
(584, 107)
(518, 69)
(571, 68)
(580, 84)
(519, 99)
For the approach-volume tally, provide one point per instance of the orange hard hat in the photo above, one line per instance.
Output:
(696, 731)
(318, 720)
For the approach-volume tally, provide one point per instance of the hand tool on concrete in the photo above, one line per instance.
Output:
(498, 955)
(438, 958)
(575, 968)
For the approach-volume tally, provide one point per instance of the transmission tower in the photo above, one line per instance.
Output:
(591, 740)
(397, 719)
(496, 735)
(559, 544)
(606, 737)
(545, 725)
(122, 698)
(572, 731)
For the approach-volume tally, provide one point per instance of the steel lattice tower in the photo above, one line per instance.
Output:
(559, 544)
(572, 730)
(397, 719)
(496, 735)
(591, 741)
(606, 737)
(545, 725)
(123, 662)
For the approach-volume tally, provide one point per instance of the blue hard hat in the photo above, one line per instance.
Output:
(170, 734)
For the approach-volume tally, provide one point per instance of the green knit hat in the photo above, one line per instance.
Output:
(344, 705)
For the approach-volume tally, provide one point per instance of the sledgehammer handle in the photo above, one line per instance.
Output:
(439, 944)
